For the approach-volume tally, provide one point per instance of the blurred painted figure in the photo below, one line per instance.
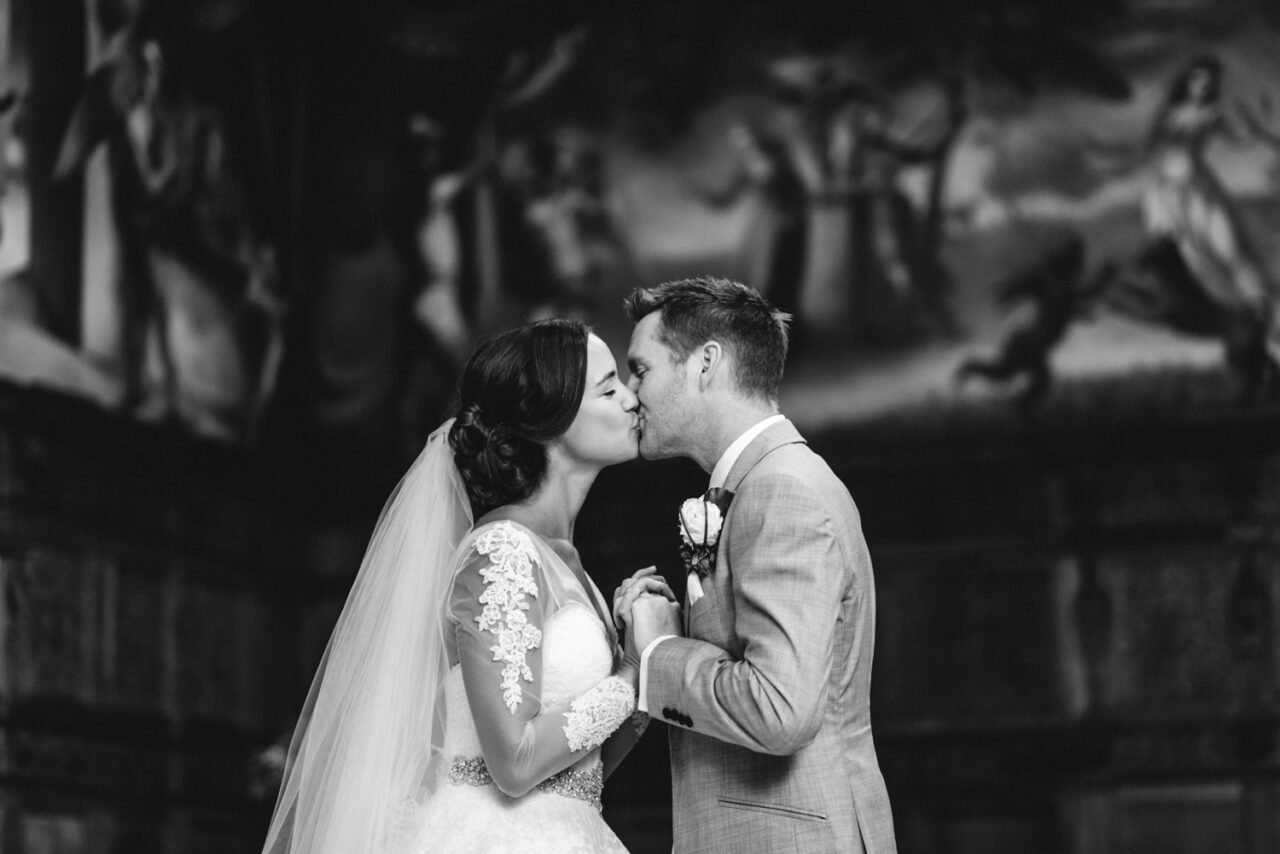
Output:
(1186, 208)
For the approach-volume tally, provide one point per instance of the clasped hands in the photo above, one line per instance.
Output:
(646, 609)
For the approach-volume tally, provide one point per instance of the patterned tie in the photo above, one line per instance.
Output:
(720, 497)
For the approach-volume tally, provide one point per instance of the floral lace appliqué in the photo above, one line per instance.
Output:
(596, 714)
(508, 581)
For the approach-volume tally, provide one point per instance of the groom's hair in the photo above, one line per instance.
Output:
(707, 308)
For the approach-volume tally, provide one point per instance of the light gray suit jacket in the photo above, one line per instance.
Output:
(768, 696)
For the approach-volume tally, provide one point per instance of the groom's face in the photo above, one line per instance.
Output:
(659, 379)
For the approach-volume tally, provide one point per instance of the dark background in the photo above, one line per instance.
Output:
(222, 341)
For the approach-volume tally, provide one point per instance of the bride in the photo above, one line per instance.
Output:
(474, 694)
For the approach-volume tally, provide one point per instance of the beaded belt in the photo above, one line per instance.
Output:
(585, 784)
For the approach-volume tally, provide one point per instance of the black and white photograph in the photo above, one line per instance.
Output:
(913, 369)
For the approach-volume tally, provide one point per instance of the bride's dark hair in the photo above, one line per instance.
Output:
(520, 389)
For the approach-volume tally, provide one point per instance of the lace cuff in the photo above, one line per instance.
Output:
(596, 714)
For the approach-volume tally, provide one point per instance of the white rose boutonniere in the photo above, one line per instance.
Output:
(700, 523)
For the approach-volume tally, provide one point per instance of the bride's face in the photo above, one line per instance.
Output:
(606, 429)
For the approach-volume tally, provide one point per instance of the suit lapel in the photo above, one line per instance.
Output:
(718, 586)
(782, 433)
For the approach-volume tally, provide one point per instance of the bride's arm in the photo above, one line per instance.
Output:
(498, 601)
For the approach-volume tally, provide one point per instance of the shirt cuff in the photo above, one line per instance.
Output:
(642, 700)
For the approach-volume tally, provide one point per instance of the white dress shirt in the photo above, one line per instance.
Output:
(719, 475)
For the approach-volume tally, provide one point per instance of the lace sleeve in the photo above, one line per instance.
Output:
(509, 582)
(596, 714)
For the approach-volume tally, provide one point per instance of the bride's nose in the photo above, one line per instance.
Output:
(629, 400)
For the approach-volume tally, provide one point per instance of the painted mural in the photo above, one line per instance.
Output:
(1005, 205)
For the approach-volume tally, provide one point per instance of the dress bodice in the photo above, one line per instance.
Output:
(529, 687)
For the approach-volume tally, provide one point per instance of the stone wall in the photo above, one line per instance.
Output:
(157, 592)
(1077, 646)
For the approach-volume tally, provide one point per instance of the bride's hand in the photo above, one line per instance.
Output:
(651, 615)
(642, 581)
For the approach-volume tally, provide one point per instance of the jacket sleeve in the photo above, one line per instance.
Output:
(497, 605)
(788, 578)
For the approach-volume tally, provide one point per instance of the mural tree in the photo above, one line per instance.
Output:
(986, 58)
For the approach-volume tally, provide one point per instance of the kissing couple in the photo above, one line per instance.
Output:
(478, 689)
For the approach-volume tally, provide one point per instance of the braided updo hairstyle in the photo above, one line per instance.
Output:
(519, 390)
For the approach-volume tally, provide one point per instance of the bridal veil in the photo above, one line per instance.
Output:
(361, 756)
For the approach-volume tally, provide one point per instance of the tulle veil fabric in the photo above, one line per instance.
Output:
(361, 758)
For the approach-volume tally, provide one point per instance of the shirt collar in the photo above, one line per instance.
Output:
(720, 473)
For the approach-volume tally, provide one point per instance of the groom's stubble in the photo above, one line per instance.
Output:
(663, 395)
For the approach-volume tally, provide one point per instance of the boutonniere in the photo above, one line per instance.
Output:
(700, 523)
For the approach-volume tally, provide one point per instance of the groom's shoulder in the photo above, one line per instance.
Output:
(792, 481)
(797, 463)
(787, 447)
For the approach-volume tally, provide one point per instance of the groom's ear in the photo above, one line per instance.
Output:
(710, 362)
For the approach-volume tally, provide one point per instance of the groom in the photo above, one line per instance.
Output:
(768, 694)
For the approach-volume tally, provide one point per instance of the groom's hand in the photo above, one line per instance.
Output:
(652, 617)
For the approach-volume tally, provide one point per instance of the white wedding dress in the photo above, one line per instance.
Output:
(544, 694)
(467, 663)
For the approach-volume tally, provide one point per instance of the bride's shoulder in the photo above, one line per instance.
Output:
(498, 566)
(501, 536)
(501, 545)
